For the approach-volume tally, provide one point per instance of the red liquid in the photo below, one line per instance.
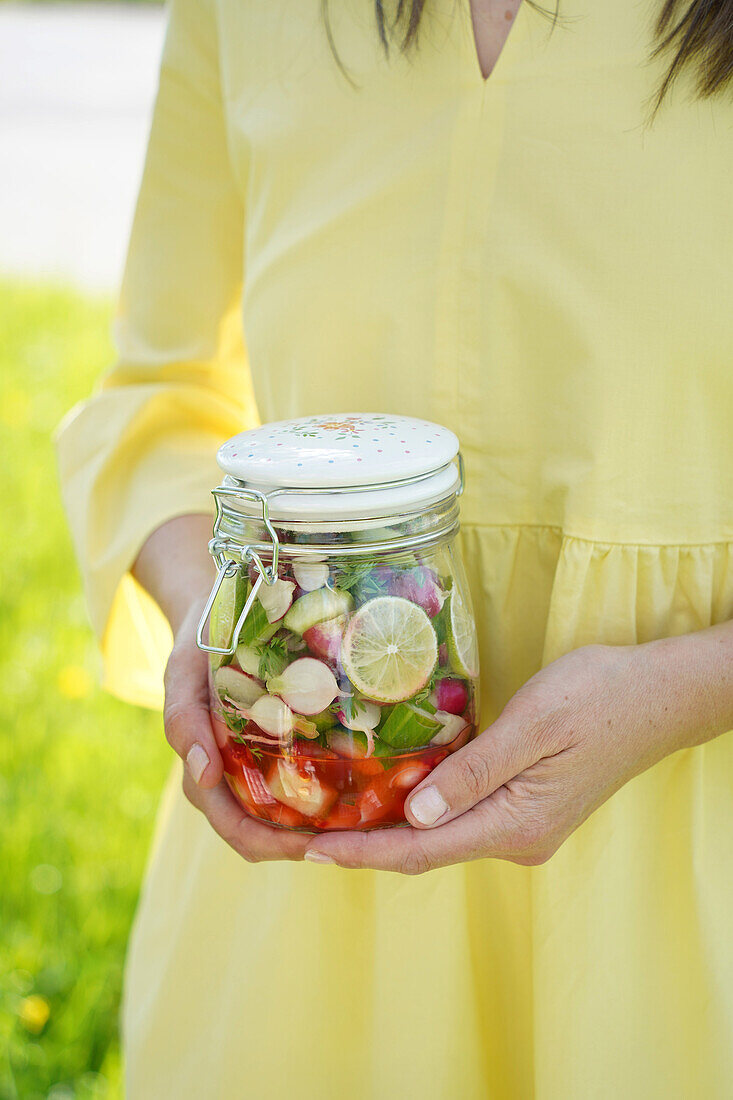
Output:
(314, 789)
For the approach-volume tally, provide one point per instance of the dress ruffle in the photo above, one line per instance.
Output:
(539, 592)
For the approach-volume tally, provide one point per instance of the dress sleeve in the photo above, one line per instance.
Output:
(142, 449)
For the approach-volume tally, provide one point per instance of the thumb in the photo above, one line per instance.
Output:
(472, 773)
(186, 714)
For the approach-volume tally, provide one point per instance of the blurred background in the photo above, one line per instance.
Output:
(80, 772)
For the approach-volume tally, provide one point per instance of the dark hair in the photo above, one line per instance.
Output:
(695, 33)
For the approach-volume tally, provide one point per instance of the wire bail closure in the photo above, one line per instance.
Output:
(228, 567)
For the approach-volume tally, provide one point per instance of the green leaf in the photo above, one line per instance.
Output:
(256, 627)
(274, 658)
(235, 722)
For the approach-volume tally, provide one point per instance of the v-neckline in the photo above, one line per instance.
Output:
(510, 42)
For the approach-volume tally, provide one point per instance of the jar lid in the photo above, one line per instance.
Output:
(374, 465)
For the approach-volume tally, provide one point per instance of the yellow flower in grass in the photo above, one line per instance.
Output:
(74, 682)
(34, 1012)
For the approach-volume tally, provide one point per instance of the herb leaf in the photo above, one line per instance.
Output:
(360, 575)
(273, 657)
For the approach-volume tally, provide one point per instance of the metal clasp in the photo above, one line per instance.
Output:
(228, 566)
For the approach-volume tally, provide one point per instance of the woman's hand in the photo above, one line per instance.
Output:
(175, 568)
(574, 734)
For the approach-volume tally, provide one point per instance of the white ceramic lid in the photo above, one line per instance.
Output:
(345, 451)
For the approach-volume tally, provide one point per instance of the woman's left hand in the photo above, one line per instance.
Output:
(571, 737)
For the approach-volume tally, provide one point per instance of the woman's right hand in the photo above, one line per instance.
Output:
(172, 568)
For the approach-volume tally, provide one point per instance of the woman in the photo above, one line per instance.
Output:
(491, 234)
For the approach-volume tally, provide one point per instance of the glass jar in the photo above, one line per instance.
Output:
(343, 656)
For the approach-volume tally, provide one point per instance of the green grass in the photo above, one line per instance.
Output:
(80, 772)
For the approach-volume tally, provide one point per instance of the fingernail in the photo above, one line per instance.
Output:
(197, 760)
(428, 805)
(318, 857)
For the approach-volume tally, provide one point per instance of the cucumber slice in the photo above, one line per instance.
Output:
(324, 721)
(249, 659)
(407, 727)
(315, 607)
(349, 743)
(224, 614)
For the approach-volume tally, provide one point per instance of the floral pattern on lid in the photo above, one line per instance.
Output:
(338, 449)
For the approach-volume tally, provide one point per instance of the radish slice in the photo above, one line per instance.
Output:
(272, 715)
(324, 639)
(306, 685)
(452, 725)
(237, 687)
(362, 717)
(420, 585)
(310, 575)
(276, 599)
(451, 695)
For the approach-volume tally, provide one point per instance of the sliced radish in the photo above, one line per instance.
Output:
(316, 607)
(307, 685)
(451, 726)
(276, 598)
(363, 717)
(421, 586)
(272, 715)
(360, 715)
(324, 639)
(237, 687)
(450, 694)
(310, 575)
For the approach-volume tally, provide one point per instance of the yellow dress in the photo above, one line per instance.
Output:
(524, 260)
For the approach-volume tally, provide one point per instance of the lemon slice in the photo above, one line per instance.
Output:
(389, 649)
(461, 637)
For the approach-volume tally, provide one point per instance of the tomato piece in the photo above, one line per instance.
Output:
(286, 815)
(370, 766)
(384, 798)
(239, 790)
(304, 749)
(377, 802)
(408, 773)
(342, 816)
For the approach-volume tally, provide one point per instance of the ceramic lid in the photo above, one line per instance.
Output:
(345, 451)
